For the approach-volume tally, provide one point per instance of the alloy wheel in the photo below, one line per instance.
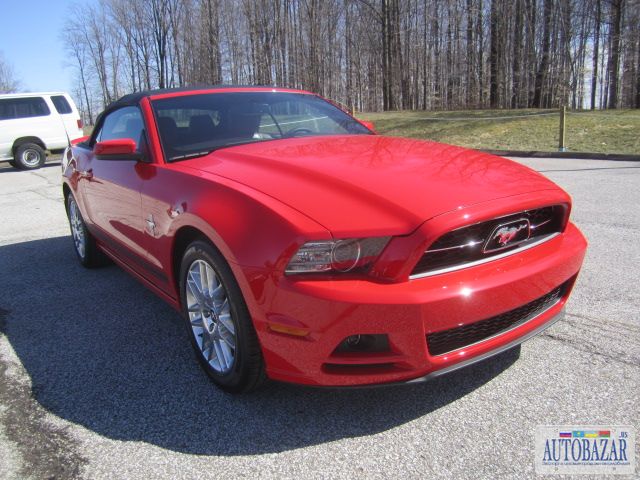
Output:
(210, 316)
(77, 228)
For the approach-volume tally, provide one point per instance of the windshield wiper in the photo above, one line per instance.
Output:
(190, 155)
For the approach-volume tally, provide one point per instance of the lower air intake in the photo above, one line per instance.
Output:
(446, 341)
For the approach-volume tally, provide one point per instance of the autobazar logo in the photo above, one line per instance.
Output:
(585, 449)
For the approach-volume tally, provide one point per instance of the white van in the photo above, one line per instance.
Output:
(31, 123)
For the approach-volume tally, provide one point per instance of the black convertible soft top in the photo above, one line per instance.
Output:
(135, 97)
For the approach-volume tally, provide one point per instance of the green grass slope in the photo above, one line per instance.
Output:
(610, 131)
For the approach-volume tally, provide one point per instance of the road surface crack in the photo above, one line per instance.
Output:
(588, 348)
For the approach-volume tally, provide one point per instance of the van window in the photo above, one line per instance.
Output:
(61, 104)
(23, 108)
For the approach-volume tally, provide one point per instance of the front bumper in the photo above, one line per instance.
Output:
(496, 351)
(319, 315)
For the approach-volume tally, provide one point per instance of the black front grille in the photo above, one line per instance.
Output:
(459, 337)
(465, 245)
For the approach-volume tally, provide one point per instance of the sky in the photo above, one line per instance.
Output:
(30, 42)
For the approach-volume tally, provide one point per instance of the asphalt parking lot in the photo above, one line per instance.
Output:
(97, 378)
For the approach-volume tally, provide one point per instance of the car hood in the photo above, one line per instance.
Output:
(367, 184)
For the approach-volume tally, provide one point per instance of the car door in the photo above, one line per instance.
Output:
(111, 190)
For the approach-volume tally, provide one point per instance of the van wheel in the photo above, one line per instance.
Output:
(29, 156)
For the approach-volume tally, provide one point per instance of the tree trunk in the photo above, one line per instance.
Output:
(437, 97)
(517, 54)
(471, 84)
(494, 56)
(543, 68)
(614, 54)
(596, 47)
(480, 62)
(425, 59)
(638, 76)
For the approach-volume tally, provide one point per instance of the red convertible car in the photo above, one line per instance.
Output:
(301, 246)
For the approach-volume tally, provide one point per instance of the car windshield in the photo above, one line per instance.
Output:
(194, 125)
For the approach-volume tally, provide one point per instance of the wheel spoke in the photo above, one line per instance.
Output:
(204, 280)
(212, 352)
(212, 282)
(206, 340)
(227, 323)
(224, 365)
(196, 321)
(218, 295)
(194, 282)
(228, 351)
(199, 338)
(228, 342)
(224, 308)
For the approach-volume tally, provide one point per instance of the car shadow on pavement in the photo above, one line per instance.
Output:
(105, 353)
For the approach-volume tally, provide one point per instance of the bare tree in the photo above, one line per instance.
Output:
(494, 56)
(368, 54)
(8, 80)
(613, 67)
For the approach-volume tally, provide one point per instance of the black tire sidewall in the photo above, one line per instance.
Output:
(235, 380)
(29, 146)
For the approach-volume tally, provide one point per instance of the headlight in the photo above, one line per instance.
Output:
(353, 255)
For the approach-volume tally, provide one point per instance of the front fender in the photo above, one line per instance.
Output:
(249, 228)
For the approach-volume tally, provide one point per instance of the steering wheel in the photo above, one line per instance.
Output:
(298, 131)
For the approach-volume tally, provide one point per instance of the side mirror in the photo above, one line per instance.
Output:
(76, 141)
(117, 149)
(369, 125)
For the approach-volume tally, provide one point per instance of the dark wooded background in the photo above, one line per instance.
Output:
(368, 54)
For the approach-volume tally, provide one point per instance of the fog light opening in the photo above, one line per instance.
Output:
(353, 341)
(363, 343)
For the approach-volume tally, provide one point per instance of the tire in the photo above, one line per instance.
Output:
(218, 321)
(87, 251)
(29, 156)
(13, 163)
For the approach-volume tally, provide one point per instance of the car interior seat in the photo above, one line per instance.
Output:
(201, 128)
(242, 122)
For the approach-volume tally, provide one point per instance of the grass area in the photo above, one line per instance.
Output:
(611, 131)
